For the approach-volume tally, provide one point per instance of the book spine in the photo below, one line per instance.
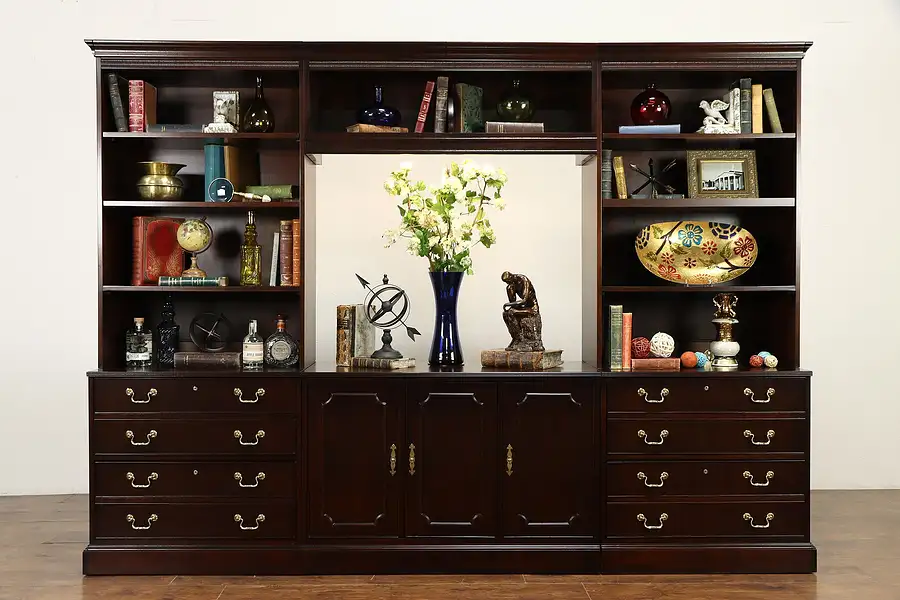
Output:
(295, 252)
(366, 128)
(363, 333)
(772, 111)
(615, 337)
(137, 250)
(213, 167)
(168, 281)
(136, 105)
(168, 127)
(655, 364)
(606, 171)
(504, 127)
(756, 102)
(619, 168)
(285, 254)
(275, 192)
(115, 98)
(344, 344)
(627, 323)
(273, 270)
(424, 106)
(208, 359)
(746, 106)
(440, 104)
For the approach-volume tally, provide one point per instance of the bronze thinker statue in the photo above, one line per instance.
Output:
(522, 316)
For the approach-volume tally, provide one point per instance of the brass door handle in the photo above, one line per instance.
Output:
(769, 517)
(662, 395)
(749, 475)
(240, 395)
(150, 478)
(393, 470)
(769, 393)
(130, 436)
(130, 393)
(769, 435)
(150, 521)
(662, 437)
(240, 521)
(509, 459)
(662, 479)
(240, 479)
(412, 459)
(662, 519)
(240, 437)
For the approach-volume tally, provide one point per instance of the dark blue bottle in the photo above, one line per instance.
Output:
(378, 113)
(445, 347)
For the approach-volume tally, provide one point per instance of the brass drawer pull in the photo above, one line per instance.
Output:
(412, 459)
(509, 459)
(150, 478)
(240, 479)
(769, 517)
(130, 393)
(240, 395)
(240, 437)
(150, 521)
(662, 479)
(130, 436)
(662, 437)
(769, 393)
(240, 521)
(393, 470)
(662, 519)
(749, 475)
(769, 435)
(662, 395)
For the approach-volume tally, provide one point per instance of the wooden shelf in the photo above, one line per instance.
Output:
(688, 289)
(190, 135)
(440, 143)
(698, 137)
(682, 203)
(231, 289)
(200, 205)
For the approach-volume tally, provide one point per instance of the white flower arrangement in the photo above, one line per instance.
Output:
(444, 223)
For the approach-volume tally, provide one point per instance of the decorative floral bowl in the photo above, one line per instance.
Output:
(696, 253)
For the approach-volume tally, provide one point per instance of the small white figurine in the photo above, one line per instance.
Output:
(713, 110)
(714, 122)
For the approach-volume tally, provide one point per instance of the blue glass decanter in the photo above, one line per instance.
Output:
(378, 113)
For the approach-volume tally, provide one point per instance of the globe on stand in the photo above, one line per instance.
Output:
(195, 236)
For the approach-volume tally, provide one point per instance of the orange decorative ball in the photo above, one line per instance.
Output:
(689, 360)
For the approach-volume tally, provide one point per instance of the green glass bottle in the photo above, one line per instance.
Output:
(259, 117)
(251, 263)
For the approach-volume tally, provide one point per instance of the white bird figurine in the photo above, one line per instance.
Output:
(712, 110)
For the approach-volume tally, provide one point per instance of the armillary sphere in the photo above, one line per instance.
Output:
(210, 331)
(387, 306)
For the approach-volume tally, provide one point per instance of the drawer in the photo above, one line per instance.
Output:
(247, 395)
(700, 478)
(707, 394)
(238, 521)
(657, 435)
(240, 435)
(651, 520)
(195, 478)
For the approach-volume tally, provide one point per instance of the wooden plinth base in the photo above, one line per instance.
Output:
(709, 558)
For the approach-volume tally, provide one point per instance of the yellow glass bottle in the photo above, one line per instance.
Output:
(251, 263)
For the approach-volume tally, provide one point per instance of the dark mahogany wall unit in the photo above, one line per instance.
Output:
(322, 470)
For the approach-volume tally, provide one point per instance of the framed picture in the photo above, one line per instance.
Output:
(227, 107)
(722, 174)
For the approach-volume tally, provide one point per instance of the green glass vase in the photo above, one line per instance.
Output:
(515, 104)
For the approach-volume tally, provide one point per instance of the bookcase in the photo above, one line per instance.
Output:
(318, 469)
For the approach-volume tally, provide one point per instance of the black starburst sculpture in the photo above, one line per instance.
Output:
(652, 179)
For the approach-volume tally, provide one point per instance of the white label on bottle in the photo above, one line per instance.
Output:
(129, 356)
(253, 353)
(281, 350)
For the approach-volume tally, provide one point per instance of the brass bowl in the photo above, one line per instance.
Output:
(696, 252)
(159, 181)
(152, 167)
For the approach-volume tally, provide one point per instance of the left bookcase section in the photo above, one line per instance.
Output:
(166, 111)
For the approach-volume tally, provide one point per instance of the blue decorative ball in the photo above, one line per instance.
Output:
(701, 360)
(764, 354)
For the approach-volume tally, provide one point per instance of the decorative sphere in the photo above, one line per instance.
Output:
(771, 361)
(650, 107)
(756, 360)
(702, 359)
(764, 354)
(662, 345)
(640, 347)
(689, 360)
(194, 235)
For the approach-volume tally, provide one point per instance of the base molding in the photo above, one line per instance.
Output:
(709, 558)
(340, 560)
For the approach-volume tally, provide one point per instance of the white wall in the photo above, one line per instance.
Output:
(49, 187)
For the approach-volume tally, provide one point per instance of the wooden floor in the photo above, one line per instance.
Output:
(857, 533)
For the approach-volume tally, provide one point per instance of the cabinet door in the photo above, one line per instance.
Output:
(354, 457)
(452, 460)
(549, 481)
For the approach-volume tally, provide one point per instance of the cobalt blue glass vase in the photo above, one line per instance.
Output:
(378, 113)
(445, 348)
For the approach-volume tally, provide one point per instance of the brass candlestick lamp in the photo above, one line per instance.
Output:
(724, 348)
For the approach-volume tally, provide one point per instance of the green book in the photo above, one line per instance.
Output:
(275, 192)
(614, 337)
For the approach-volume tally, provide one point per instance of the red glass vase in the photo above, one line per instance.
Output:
(650, 107)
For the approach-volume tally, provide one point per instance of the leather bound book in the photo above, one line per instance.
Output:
(655, 364)
(423, 108)
(295, 252)
(208, 360)
(344, 345)
(756, 100)
(772, 111)
(746, 105)
(286, 254)
(627, 321)
(440, 104)
(117, 86)
(615, 337)
(141, 105)
(155, 249)
(363, 362)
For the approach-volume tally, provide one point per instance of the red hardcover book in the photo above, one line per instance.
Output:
(155, 250)
(423, 108)
(295, 251)
(141, 105)
(627, 320)
(286, 253)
